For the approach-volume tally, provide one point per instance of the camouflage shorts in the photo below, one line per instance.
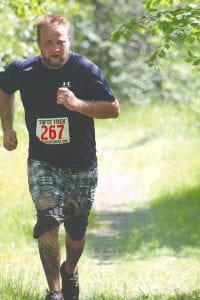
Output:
(61, 196)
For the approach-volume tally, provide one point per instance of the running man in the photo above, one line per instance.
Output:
(62, 92)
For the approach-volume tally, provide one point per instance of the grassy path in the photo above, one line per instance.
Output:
(146, 239)
(143, 240)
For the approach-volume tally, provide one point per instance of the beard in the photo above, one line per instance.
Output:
(53, 62)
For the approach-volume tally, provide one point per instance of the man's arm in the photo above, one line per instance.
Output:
(7, 118)
(94, 109)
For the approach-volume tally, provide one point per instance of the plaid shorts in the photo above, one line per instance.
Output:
(61, 195)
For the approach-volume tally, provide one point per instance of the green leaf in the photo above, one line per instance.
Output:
(196, 62)
(115, 36)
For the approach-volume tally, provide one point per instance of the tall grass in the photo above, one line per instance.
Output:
(148, 248)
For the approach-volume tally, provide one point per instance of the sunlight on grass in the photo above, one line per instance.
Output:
(163, 275)
(157, 145)
(147, 248)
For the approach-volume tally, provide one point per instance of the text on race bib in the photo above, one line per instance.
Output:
(53, 130)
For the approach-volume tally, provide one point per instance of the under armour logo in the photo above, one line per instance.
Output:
(66, 84)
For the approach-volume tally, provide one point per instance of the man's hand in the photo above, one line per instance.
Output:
(100, 109)
(10, 140)
(67, 98)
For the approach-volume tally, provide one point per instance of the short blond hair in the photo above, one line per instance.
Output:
(51, 20)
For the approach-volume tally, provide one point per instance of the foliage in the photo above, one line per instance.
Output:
(18, 28)
(124, 63)
(173, 26)
(17, 32)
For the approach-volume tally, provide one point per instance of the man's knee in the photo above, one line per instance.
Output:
(76, 226)
(76, 244)
(44, 225)
(51, 232)
(49, 235)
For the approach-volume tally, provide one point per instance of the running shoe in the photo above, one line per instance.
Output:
(70, 284)
(54, 295)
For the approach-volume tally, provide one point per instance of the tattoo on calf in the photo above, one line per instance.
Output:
(50, 257)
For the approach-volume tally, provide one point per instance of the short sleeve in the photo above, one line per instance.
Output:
(97, 86)
(10, 78)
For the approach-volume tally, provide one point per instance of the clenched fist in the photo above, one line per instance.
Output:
(10, 140)
(67, 98)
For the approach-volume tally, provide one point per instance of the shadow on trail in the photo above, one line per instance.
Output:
(171, 221)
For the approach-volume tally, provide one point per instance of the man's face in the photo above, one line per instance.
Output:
(54, 44)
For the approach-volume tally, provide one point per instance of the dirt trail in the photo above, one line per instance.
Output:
(113, 190)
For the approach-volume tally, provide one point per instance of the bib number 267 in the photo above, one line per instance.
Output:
(53, 130)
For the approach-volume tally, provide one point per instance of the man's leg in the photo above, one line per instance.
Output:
(81, 187)
(74, 250)
(69, 270)
(49, 250)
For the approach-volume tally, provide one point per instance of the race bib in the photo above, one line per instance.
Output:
(53, 130)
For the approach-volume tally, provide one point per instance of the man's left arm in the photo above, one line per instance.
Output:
(100, 109)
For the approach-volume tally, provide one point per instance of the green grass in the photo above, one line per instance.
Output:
(148, 248)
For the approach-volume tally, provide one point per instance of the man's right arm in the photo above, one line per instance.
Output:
(7, 118)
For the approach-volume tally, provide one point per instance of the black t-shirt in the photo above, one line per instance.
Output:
(57, 135)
